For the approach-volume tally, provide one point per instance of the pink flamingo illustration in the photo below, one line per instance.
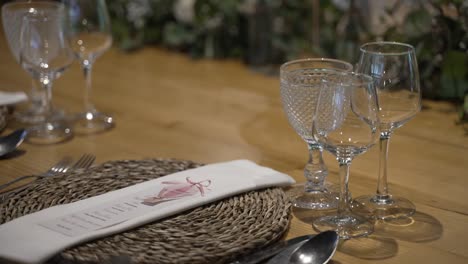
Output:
(176, 190)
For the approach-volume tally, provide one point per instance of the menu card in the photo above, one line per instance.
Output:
(163, 194)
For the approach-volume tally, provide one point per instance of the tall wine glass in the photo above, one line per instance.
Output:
(90, 37)
(300, 86)
(12, 18)
(45, 55)
(395, 71)
(346, 123)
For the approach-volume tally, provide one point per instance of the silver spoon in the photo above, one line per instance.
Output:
(11, 141)
(318, 250)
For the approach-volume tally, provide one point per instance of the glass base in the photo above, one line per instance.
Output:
(35, 115)
(389, 207)
(92, 122)
(325, 199)
(49, 133)
(348, 225)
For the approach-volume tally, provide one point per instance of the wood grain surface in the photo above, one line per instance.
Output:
(168, 105)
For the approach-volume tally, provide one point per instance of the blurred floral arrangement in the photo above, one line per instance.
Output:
(269, 32)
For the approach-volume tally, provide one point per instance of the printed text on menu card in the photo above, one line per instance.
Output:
(115, 212)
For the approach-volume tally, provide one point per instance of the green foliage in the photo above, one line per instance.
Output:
(454, 75)
(443, 51)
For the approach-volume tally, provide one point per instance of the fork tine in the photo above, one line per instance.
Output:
(84, 162)
(89, 161)
(80, 161)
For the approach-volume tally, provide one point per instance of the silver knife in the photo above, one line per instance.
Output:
(270, 251)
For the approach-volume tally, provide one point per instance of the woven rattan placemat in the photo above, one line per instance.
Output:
(214, 233)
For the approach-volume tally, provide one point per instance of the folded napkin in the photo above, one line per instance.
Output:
(36, 237)
(9, 98)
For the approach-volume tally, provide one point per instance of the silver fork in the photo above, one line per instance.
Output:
(57, 168)
(60, 167)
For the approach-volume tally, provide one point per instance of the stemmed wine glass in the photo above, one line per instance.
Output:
(394, 69)
(45, 55)
(90, 37)
(300, 86)
(12, 17)
(346, 123)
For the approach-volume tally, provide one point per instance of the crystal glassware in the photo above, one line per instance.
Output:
(346, 124)
(45, 55)
(394, 68)
(299, 88)
(12, 17)
(90, 37)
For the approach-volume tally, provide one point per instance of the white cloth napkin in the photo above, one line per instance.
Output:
(9, 98)
(36, 237)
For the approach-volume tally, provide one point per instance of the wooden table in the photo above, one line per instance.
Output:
(168, 105)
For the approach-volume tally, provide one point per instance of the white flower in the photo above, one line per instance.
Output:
(248, 7)
(184, 11)
(342, 5)
(137, 11)
(214, 22)
(381, 19)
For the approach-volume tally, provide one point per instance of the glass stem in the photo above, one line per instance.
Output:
(87, 67)
(343, 207)
(382, 185)
(39, 96)
(315, 171)
(46, 84)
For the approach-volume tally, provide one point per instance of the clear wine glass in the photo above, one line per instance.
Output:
(346, 123)
(90, 37)
(395, 71)
(299, 88)
(45, 55)
(12, 17)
